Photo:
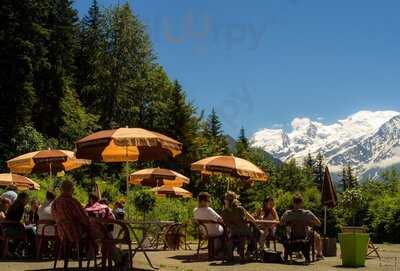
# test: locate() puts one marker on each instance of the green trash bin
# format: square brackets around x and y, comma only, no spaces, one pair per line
[353,247]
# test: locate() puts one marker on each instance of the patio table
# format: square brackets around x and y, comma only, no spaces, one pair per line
[144,226]
[267,222]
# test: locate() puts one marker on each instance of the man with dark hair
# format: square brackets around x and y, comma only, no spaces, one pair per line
[299,220]
[205,212]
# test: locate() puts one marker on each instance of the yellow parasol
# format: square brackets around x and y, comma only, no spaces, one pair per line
[51,161]
[229,165]
[17,181]
[157,177]
[175,192]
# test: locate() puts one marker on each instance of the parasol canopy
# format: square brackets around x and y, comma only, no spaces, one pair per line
[51,161]
[157,177]
[176,192]
[230,165]
[328,193]
[17,181]
[127,144]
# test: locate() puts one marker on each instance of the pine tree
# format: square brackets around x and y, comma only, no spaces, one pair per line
[23,37]
[215,141]
[242,144]
[344,179]
[53,80]
[319,171]
[309,161]
[126,72]
[89,56]
[351,178]
[182,124]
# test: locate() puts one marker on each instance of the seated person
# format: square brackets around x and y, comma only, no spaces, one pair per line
[97,209]
[300,220]
[237,219]
[15,214]
[267,212]
[205,212]
[4,205]
[33,216]
[44,213]
[119,211]
[11,195]
[67,208]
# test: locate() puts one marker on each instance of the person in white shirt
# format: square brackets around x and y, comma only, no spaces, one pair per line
[205,212]
[44,213]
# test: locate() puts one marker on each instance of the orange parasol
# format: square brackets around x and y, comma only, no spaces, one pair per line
[230,165]
[51,161]
[176,192]
[158,176]
[127,144]
[17,181]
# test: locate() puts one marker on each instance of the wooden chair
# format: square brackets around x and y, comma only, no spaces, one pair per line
[43,238]
[204,237]
[299,239]
[67,242]
[5,238]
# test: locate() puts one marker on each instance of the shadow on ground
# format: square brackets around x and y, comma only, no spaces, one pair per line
[77,269]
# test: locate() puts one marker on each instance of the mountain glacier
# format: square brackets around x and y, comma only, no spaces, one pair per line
[367,140]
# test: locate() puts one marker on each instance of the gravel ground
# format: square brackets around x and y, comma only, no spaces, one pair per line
[185,261]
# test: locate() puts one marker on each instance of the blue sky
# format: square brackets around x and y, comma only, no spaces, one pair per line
[261,63]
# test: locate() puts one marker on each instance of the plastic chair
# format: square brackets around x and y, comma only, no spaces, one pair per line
[43,238]
[203,237]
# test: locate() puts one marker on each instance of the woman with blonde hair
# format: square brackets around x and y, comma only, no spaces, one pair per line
[240,222]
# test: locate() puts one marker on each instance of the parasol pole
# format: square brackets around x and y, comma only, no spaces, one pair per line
[325,217]
[127,169]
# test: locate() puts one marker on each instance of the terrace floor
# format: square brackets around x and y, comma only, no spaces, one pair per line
[184,261]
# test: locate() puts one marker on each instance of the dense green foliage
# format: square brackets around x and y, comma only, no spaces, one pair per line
[63,77]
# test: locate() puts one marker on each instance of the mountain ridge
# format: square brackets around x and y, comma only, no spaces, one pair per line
[366,140]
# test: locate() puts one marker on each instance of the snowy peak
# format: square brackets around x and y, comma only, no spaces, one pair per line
[363,139]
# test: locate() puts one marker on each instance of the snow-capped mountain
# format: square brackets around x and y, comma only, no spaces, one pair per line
[368,140]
